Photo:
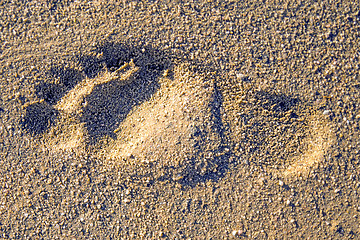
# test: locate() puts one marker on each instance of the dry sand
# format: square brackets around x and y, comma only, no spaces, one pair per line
[179,120]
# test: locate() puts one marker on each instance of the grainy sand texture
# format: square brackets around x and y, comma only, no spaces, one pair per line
[179,119]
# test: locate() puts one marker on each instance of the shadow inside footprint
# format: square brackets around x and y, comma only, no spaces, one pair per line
[109,103]
[66,78]
[50,92]
[275,102]
[39,117]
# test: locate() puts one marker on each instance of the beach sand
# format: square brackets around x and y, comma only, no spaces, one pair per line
[179,120]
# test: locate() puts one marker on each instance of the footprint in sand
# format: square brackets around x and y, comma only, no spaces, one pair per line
[175,131]
[130,117]
[277,133]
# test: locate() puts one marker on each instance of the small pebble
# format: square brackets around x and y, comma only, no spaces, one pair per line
[262,180]
[326,112]
[242,77]
[281,183]
[166,73]
[237,233]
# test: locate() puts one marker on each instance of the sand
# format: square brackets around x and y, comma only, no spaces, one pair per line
[179,120]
